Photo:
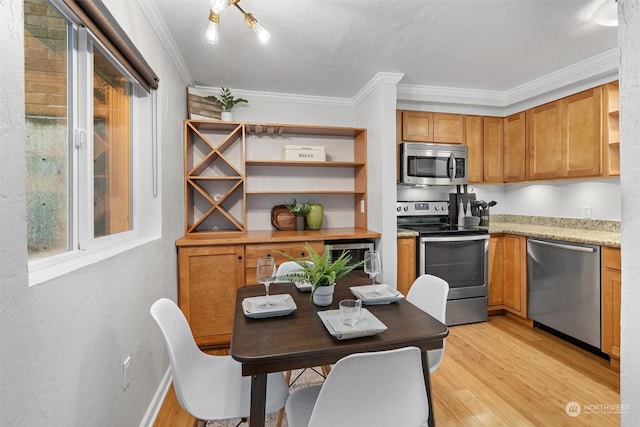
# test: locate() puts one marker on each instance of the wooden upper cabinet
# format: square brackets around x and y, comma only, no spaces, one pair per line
[473,140]
[545,141]
[417,126]
[583,143]
[492,149]
[448,128]
[514,148]
[422,126]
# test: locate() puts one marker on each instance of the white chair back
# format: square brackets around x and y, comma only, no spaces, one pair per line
[429,293]
[286,268]
[378,389]
[208,387]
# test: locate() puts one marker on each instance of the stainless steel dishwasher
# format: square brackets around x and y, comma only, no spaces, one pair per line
[564,288]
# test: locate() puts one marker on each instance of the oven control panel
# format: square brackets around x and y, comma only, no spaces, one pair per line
[422,208]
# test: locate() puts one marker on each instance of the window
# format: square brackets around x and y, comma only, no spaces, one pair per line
[79,109]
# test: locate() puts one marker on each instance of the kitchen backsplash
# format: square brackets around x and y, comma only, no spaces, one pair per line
[577,223]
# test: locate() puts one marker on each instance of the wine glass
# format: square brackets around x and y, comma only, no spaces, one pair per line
[373,267]
[265,274]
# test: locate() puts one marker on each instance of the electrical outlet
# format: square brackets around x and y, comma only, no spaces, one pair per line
[125,372]
[586,212]
[361,206]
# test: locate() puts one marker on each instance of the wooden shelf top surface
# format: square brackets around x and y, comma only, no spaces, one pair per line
[274,236]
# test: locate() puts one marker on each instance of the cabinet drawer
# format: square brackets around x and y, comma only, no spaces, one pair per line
[253,252]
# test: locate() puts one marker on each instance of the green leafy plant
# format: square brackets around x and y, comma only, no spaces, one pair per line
[226,101]
[297,208]
[322,271]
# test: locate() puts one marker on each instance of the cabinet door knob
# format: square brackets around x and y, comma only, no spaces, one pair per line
[240,258]
[303,254]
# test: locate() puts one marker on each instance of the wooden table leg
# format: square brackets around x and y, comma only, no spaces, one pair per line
[258,400]
[427,383]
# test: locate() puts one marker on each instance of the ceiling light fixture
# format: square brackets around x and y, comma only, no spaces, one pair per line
[606,14]
[217,7]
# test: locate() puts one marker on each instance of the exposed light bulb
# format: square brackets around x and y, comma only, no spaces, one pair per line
[606,14]
[219,5]
[263,35]
[211,36]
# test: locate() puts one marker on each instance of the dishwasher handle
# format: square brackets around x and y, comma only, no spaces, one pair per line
[563,246]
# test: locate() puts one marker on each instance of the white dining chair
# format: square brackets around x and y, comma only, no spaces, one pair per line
[377,389]
[288,268]
[208,387]
[429,293]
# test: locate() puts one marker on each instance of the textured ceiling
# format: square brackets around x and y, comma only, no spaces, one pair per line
[334,47]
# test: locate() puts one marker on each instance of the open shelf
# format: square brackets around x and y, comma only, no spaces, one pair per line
[226,162]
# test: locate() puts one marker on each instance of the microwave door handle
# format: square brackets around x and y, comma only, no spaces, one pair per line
[452,169]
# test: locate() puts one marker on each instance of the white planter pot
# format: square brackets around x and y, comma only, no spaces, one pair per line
[323,296]
[226,116]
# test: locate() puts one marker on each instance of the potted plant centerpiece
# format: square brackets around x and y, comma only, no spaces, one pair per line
[226,101]
[322,272]
[299,210]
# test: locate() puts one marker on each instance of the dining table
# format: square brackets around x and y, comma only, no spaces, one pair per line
[301,340]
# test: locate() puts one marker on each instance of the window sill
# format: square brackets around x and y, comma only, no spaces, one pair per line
[74,261]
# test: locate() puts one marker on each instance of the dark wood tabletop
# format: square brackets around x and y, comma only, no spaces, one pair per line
[300,339]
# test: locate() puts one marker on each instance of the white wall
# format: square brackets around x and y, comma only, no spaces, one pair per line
[63,341]
[564,199]
[376,112]
[629,41]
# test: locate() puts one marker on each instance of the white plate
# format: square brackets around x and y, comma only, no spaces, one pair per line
[369,325]
[387,294]
[283,304]
[303,286]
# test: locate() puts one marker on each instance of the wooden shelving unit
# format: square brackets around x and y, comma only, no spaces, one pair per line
[228,163]
[612,128]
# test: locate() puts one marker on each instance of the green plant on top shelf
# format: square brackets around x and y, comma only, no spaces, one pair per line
[226,101]
[297,208]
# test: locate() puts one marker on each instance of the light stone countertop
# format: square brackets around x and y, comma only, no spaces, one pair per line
[588,231]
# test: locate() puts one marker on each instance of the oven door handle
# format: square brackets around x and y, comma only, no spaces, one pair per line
[455,238]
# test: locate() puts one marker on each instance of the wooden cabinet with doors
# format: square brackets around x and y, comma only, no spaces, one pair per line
[610,301]
[514,148]
[208,277]
[544,141]
[508,274]
[423,126]
[492,149]
[565,137]
[473,140]
[583,134]
[406,263]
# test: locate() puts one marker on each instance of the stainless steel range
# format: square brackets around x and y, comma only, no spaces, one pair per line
[456,254]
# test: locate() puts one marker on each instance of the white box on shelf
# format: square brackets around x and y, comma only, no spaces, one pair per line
[305,153]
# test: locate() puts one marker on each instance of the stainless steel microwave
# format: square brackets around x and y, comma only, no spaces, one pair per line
[433,164]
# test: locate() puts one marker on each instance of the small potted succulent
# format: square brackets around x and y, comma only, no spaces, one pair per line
[322,272]
[226,101]
[299,210]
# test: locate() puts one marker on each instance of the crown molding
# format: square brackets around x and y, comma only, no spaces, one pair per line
[285,97]
[157,23]
[582,75]
[374,83]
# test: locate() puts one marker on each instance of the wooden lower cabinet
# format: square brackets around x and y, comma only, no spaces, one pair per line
[611,298]
[406,263]
[508,274]
[208,278]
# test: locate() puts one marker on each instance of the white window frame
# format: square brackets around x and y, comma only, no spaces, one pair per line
[85,249]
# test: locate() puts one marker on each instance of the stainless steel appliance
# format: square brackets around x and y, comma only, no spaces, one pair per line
[356,249]
[563,281]
[433,164]
[456,254]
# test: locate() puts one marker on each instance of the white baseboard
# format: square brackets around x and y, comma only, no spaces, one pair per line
[156,403]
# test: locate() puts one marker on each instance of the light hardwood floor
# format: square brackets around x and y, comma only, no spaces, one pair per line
[504,373]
